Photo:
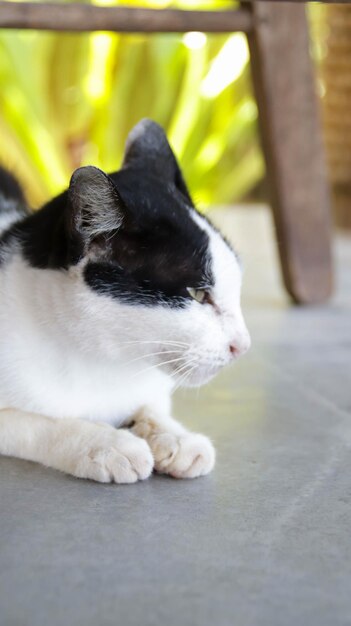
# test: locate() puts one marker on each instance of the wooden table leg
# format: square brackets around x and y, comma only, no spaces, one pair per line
[284,84]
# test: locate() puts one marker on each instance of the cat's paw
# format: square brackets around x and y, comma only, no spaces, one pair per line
[182,456]
[115,456]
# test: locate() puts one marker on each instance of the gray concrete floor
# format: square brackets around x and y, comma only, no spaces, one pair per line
[264,540]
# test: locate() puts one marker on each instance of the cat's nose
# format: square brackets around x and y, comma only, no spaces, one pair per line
[240,345]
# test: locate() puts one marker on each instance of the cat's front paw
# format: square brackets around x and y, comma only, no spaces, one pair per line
[115,456]
[182,456]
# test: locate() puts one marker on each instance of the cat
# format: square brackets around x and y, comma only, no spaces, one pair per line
[112,295]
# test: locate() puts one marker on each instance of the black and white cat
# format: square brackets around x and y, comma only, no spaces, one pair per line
[111,296]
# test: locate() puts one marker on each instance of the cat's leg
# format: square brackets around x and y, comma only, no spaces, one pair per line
[176,451]
[77,447]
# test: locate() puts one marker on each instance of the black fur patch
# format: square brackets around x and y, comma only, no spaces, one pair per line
[157,250]
[43,236]
[10,188]
[12,203]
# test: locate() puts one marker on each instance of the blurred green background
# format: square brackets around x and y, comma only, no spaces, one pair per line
[70,99]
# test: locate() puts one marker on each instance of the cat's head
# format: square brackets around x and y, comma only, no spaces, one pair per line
[159,279]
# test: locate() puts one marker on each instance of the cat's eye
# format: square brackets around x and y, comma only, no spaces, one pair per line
[200,295]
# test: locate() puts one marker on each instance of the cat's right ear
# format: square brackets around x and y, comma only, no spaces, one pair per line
[95,207]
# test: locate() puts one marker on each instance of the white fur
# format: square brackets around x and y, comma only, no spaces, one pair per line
[8,214]
[67,352]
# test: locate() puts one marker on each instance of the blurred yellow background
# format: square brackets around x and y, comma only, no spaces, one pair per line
[70,99]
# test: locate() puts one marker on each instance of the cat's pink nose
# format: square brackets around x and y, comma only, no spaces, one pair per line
[233,349]
[240,346]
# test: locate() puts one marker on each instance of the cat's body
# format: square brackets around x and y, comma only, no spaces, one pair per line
[111,296]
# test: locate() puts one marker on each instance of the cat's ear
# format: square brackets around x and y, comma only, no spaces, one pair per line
[147,148]
[95,205]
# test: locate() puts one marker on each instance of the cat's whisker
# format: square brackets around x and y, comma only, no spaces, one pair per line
[158,365]
[152,341]
[185,376]
[188,363]
[191,370]
[151,354]
[179,370]
[189,366]
[160,342]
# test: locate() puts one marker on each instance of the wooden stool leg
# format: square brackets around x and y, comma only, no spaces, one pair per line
[284,84]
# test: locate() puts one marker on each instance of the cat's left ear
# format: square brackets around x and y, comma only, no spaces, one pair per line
[147,149]
[95,205]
